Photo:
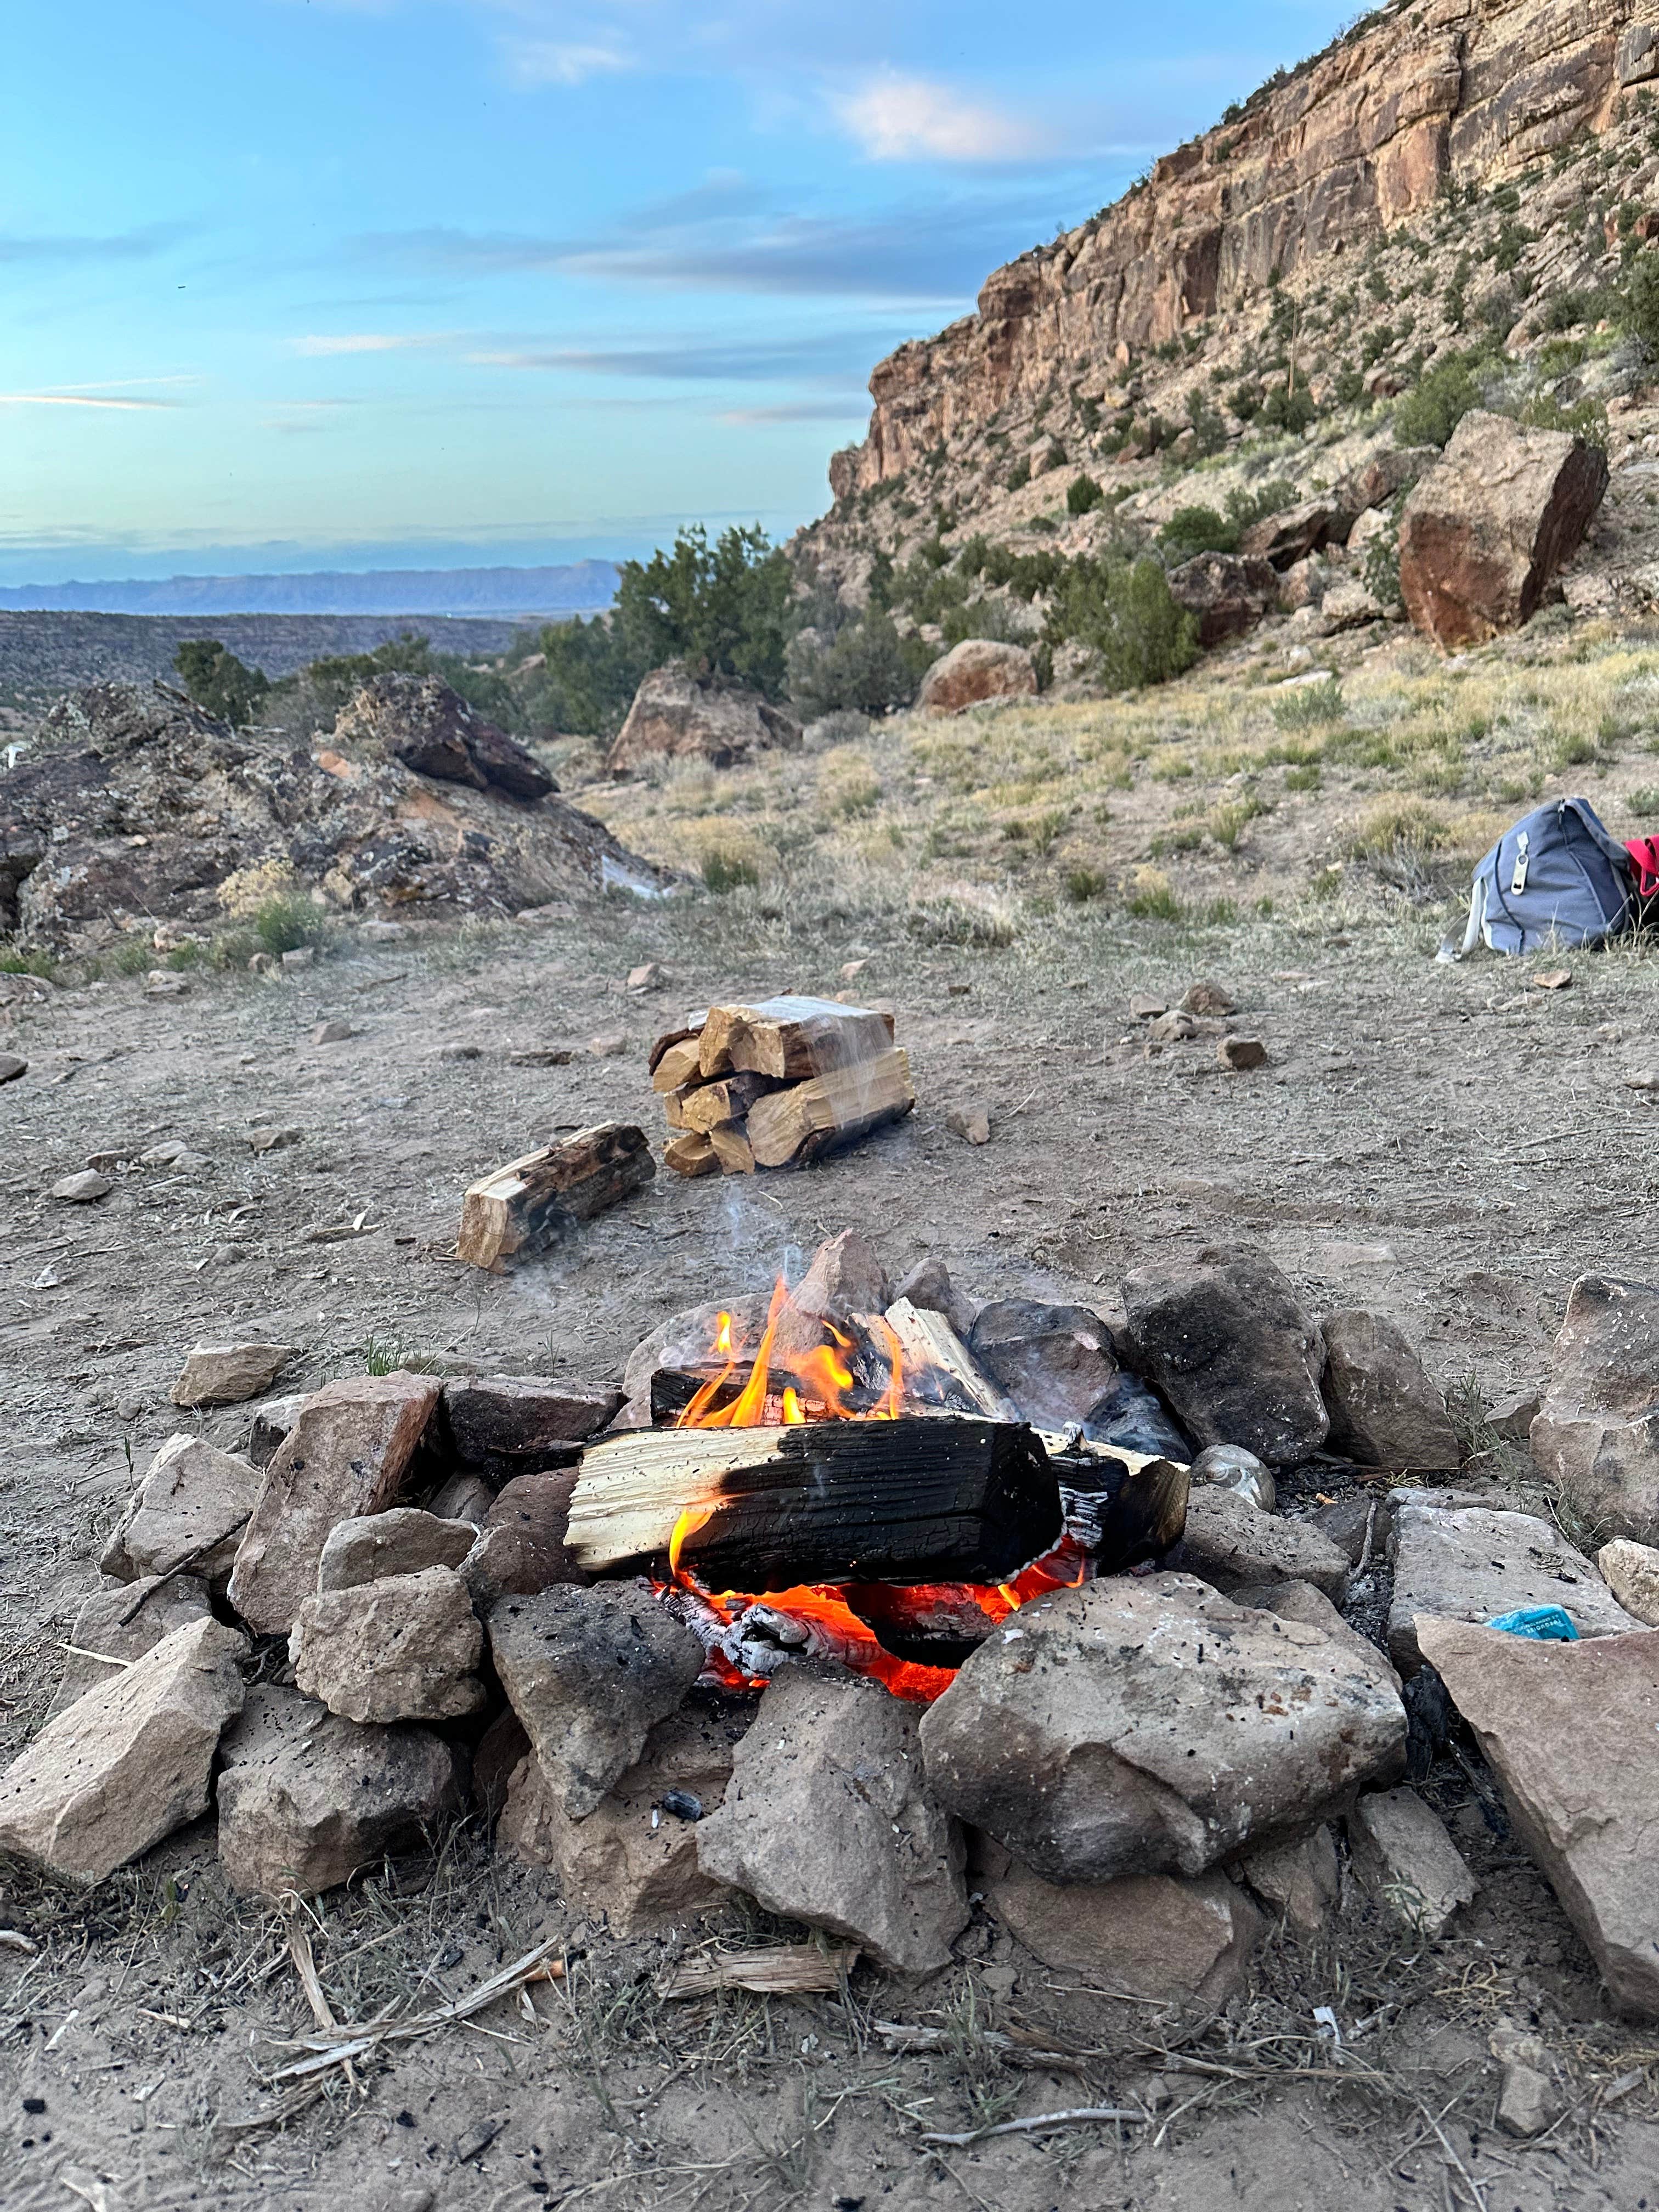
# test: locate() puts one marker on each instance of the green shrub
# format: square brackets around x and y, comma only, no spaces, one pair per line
[1124,613]
[1428,413]
[1084,883]
[219,683]
[726,871]
[1641,308]
[1309,706]
[283,924]
[1349,388]
[866,667]
[1288,411]
[1019,474]
[1083,496]
[1192,529]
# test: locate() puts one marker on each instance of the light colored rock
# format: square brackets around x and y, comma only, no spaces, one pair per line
[828,1819]
[1488,528]
[1145,1725]
[590,1673]
[271,1422]
[1226,1345]
[190,1506]
[1597,1432]
[401,1648]
[402,1541]
[123,1622]
[465,1497]
[84,1188]
[306,1800]
[1384,1410]
[978,669]
[1299,1882]
[1229,1542]
[226,1374]
[1151,1935]
[846,1279]
[972,1121]
[129,1762]
[676,714]
[1474,1562]
[1229,1466]
[527,1525]
[632,1861]
[1404,1856]
[346,1455]
[1302,1601]
[1528,2101]
[1571,1731]
[1631,1572]
[929,1288]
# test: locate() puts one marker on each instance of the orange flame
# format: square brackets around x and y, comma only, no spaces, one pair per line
[814,1379]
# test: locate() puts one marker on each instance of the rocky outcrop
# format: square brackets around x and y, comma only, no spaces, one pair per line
[1228,594]
[677,715]
[420,721]
[1483,533]
[978,669]
[1364,137]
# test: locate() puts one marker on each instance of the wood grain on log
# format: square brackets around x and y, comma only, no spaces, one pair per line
[931,1345]
[677,1065]
[691,1154]
[690,1028]
[815,1115]
[525,1206]
[732,1147]
[728,1098]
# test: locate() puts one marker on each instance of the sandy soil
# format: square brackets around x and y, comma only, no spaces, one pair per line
[1450,1145]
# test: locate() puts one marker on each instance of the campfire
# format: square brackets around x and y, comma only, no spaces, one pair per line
[852,1488]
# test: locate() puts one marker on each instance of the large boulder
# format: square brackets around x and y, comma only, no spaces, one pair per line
[1597,1430]
[1571,1731]
[978,669]
[420,721]
[1150,1726]
[129,1762]
[1384,1410]
[1484,533]
[677,715]
[829,1818]
[1475,1562]
[1291,535]
[1230,593]
[1228,1347]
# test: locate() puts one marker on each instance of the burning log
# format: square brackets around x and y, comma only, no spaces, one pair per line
[757,1509]
[525,1206]
[933,1350]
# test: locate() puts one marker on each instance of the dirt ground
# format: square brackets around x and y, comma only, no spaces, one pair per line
[1448,1144]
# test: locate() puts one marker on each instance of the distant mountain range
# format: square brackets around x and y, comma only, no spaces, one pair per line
[582,588]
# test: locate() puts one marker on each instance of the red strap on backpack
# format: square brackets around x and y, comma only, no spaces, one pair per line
[1645,859]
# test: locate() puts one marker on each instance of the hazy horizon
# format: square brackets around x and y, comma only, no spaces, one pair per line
[438,283]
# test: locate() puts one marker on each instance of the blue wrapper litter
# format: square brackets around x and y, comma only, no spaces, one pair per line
[1545,1624]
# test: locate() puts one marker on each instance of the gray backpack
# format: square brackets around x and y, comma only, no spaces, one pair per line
[1557,878]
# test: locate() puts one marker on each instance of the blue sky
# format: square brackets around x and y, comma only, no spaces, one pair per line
[302,283]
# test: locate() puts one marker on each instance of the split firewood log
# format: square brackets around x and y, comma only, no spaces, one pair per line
[525,1206]
[732,1148]
[931,1347]
[688,1031]
[691,1154]
[677,1066]
[827,1110]
[727,1099]
[792,1038]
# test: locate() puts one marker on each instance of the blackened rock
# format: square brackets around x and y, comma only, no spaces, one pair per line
[1224,1341]
[508,1425]
[1132,1416]
[1057,1362]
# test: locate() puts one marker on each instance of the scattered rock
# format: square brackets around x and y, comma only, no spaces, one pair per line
[273,1140]
[1571,1731]
[1149,1725]
[1229,592]
[1284,538]
[163,983]
[608,1045]
[652,976]
[1487,528]
[227,1374]
[1474,1562]
[590,1671]
[1055,1362]
[1147,1006]
[1299,1882]
[402,1541]
[929,1288]
[631,1859]
[1528,2101]
[302,956]
[507,1424]
[306,1800]
[1597,1434]
[978,669]
[1403,1855]
[400,1648]
[1229,1542]
[346,1455]
[332,1033]
[1227,1345]
[382,932]
[1384,1410]
[972,1123]
[123,1623]
[527,1525]
[1208,998]
[420,721]
[190,1506]
[1552,979]
[1229,1466]
[1241,1054]
[1173,1027]
[676,714]
[83,1189]
[1512,1417]
[828,1819]
[1631,1572]
[129,1762]
[1151,1935]
[846,1279]
[11,1067]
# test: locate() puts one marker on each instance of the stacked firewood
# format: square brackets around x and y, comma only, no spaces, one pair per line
[777,1083]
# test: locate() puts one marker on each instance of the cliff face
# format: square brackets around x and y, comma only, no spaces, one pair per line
[1465,93]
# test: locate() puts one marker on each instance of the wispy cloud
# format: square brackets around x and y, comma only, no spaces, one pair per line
[71,251]
[531,62]
[913,118]
[853,409]
[324,346]
[698,361]
[81,399]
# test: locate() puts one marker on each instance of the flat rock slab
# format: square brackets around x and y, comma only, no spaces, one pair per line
[1597,1430]
[306,1800]
[401,1540]
[1152,1935]
[227,1374]
[1384,1410]
[829,1818]
[346,1455]
[1148,1725]
[1406,1858]
[129,1762]
[122,1623]
[1571,1731]
[1228,1347]
[405,1647]
[590,1673]
[191,1506]
[1229,1542]
[634,1860]
[513,1424]
[1474,1562]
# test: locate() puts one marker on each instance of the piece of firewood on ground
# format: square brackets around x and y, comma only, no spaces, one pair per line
[732,1148]
[829,1110]
[792,1038]
[525,1205]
